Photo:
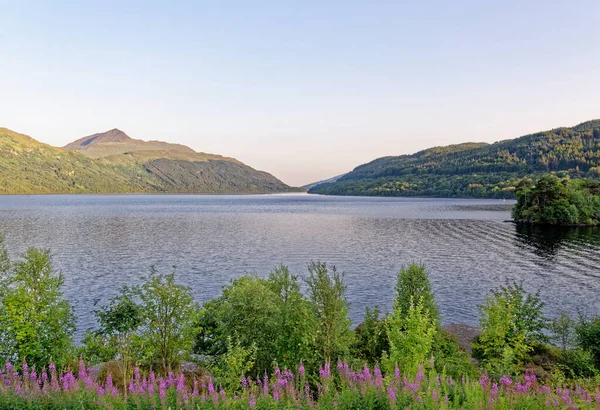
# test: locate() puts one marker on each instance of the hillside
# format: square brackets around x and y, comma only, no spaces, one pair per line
[476,169]
[314,184]
[116,141]
[112,162]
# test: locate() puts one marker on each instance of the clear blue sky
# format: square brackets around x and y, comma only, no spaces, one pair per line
[302,89]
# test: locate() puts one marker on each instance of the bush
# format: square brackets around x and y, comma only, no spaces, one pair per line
[371,339]
[413,285]
[576,363]
[587,336]
[327,292]
[411,335]
[511,322]
[36,323]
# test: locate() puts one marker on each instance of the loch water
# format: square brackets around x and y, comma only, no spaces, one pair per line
[101,242]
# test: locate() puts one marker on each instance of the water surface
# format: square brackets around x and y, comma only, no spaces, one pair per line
[103,242]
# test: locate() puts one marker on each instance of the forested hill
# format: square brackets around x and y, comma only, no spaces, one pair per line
[112,162]
[476,169]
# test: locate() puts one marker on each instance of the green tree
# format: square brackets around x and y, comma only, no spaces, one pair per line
[512,322]
[563,331]
[170,316]
[587,336]
[248,313]
[120,319]
[327,292]
[413,285]
[411,335]
[371,338]
[36,323]
[296,322]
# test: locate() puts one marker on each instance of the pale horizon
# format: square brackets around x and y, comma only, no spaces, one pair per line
[304,92]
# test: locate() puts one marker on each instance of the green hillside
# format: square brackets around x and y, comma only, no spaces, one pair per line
[30,167]
[476,169]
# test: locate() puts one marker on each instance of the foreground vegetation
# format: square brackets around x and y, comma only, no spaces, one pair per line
[264,343]
[477,170]
[557,201]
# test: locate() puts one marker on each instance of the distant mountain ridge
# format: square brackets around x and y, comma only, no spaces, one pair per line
[116,141]
[113,162]
[476,169]
[324,181]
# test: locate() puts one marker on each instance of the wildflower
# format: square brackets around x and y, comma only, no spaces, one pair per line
[397,372]
[521,388]
[244,383]
[367,373]
[506,381]
[484,381]
[252,401]
[211,387]
[131,387]
[136,373]
[494,389]
[180,383]
[162,389]
[301,370]
[420,375]
[391,394]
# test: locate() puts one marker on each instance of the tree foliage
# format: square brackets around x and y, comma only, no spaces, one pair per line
[556,201]
[476,169]
[327,292]
[512,322]
[169,314]
[36,323]
[411,334]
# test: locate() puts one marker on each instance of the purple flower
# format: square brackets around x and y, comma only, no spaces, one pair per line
[484,381]
[367,373]
[391,394]
[252,401]
[397,372]
[180,383]
[301,369]
[505,381]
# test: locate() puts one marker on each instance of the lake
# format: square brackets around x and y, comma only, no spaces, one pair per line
[100,243]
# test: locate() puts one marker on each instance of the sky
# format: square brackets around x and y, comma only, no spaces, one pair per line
[304,90]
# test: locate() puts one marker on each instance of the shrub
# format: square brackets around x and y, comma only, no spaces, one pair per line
[169,315]
[411,335]
[327,293]
[371,339]
[412,285]
[36,323]
[511,322]
[587,337]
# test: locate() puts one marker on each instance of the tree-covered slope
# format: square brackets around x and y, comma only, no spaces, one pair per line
[30,167]
[476,169]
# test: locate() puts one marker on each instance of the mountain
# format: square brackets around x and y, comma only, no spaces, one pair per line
[116,141]
[314,184]
[112,162]
[476,169]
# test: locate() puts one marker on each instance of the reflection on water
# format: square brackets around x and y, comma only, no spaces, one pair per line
[103,242]
[547,241]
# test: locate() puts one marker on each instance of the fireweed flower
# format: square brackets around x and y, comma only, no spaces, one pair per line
[252,402]
[180,383]
[484,381]
[397,372]
[301,369]
[391,394]
[505,381]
